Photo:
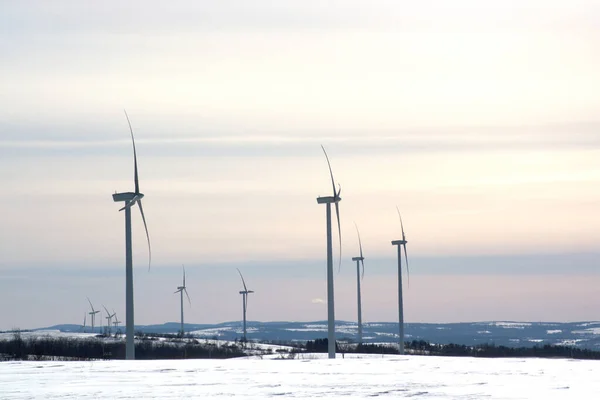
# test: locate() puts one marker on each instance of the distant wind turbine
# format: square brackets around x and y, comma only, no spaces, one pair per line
[335,199]
[359,276]
[108,317]
[400,244]
[130,199]
[244,294]
[180,290]
[84,321]
[93,314]
[116,322]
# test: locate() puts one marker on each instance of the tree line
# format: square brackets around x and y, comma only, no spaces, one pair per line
[146,348]
[150,346]
[422,347]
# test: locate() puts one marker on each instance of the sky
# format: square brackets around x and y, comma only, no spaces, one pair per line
[478,120]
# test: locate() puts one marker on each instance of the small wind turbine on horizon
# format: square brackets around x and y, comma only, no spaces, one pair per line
[180,290]
[359,260]
[84,321]
[131,199]
[93,314]
[116,322]
[401,243]
[328,200]
[244,294]
[108,317]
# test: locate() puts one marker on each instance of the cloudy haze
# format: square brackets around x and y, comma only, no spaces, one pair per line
[478,119]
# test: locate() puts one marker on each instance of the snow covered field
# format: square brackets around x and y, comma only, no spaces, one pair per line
[310,377]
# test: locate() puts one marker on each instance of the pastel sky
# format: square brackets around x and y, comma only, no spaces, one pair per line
[479,120]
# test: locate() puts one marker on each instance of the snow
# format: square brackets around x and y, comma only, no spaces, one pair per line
[553,331]
[46,333]
[308,377]
[588,331]
[513,325]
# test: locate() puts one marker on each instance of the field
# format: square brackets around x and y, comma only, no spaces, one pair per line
[311,376]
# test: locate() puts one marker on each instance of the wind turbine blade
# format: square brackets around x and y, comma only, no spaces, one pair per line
[107,313]
[183,275]
[361,252]
[407,271]
[401,224]
[135,169]
[330,171]
[147,235]
[337,214]
[88,299]
[363,269]
[359,242]
[188,296]
[243,282]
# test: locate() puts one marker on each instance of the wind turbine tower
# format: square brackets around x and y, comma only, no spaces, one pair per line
[244,294]
[180,290]
[401,243]
[130,199]
[328,200]
[93,314]
[359,276]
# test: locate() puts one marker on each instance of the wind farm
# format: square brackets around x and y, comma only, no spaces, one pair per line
[475,122]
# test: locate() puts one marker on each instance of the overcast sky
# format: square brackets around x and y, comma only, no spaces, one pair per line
[479,120]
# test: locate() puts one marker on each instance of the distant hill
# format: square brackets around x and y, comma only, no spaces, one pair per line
[506,333]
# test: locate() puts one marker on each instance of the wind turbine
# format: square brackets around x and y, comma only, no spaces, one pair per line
[359,276]
[116,322]
[335,199]
[130,199]
[93,314]
[244,294]
[180,290]
[84,320]
[108,317]
[401,243]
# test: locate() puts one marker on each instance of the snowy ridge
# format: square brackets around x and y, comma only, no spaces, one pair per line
[508,333]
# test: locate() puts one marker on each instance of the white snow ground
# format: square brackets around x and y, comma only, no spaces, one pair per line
[310,377]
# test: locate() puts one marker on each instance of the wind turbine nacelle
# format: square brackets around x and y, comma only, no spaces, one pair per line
[126,197]
[357,258]
[398,242]
[327,199]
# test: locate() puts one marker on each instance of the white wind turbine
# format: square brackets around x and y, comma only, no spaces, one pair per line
[93,314]
[84,321]
[328,200]
[130,199]
[244,294]
[108,317]
[116,322]
[359,276]
[401,243]
[180,290]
